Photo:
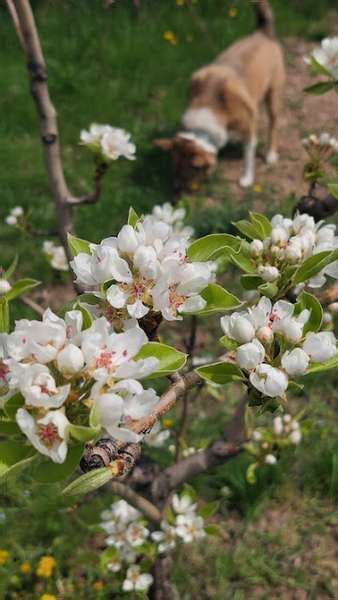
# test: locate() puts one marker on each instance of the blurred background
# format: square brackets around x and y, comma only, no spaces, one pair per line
[128,64]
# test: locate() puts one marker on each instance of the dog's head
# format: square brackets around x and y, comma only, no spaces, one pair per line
[193,161]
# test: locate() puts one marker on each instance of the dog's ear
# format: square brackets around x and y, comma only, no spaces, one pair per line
[164,143]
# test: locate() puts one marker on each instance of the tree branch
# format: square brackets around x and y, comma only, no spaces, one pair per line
[146,507]
[24,23]
[219,452]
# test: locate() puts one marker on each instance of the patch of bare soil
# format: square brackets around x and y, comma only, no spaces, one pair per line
[303,114]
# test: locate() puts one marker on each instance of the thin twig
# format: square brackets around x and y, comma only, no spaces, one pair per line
[146,507]
[33,305]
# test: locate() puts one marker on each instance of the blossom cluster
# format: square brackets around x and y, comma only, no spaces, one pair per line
[68,375]
[56,255]
[272,345]
[327,56]
[15,215]
[323,142]
[109,142]
[290,243]
[145,268]
[265,443]
[128,533]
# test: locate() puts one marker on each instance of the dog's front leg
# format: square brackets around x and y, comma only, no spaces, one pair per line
[248,176]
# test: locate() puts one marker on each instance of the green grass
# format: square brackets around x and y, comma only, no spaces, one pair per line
[114,66]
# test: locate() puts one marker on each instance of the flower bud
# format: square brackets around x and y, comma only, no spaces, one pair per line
[293,253]
[287,418]
[295,362]
[270,459]
[278,425]
[238,327]
[127,240]
[70,360]
[265,335]
[256,248]
[333,308]
[250,355]
[5,286]
[327,318]
[17,211]
[279,236]
[295,436]
[268,273]
[11,220]
[320,346]
[256,436]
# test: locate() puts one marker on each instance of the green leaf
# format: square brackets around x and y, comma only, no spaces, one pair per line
[253,231]
[133,217]
[8,427]
[263,222]
[16,469]
[209,509]
[213,245]
[317,68]
[77,245]
[170,359]
[108,555]
[268,289]
[50,472]
[189,490]
[12,405]
[83,434]
[218,300]
[20,287]
[88,482]
[314,265]
[4,315]
[244,262]
[251,473]
[333,188]
[325,366]
[12,452]
[212,529]
[220,372]
[86,316]
[320,88]
[310,302]
[228,343]
[9,272]
[251,282]
[249,421]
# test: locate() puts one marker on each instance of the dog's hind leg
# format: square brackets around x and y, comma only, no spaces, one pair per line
[248,176]
[273,103]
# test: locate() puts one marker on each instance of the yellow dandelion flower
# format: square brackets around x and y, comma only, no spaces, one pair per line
[46,566]
[232,12]
[170,37]
[98,586]
[47,597]
[25,568]
[180,2]
[195,186]
[4,556]
[167,423]
[257,188]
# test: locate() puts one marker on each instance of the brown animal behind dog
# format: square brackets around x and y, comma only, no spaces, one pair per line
[224,101]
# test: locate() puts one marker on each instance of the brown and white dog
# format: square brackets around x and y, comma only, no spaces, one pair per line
[224,101]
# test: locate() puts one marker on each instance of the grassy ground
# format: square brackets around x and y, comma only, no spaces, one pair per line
[114,66]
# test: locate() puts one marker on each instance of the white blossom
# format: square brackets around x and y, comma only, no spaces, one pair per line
[136,534]
[56,255]
[137,581]
[321,346]
[5,286]
[166,538]
[270,459]
[295,362]
[250,355]
[183,505]
[327,55]
[47,434]
[238,327]
[269,381]
[112,142]
[190,527]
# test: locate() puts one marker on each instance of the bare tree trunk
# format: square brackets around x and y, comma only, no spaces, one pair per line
[162,588]
[47,119]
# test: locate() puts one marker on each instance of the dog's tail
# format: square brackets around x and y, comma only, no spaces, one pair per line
[264,17]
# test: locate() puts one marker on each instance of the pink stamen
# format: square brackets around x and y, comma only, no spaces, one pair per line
[48,434]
